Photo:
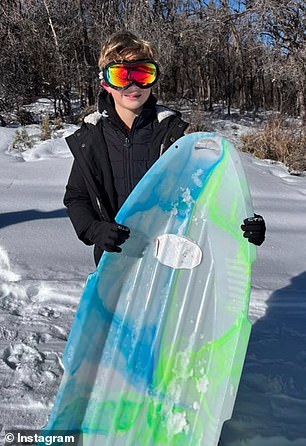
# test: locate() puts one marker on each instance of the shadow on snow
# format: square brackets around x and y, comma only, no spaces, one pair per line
[12,218]
[271,400]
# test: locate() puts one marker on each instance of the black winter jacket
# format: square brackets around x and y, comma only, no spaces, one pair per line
[95,190]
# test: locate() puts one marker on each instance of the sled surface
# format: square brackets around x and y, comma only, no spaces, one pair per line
[156,351]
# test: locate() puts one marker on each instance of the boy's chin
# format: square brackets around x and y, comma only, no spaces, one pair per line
[134,104]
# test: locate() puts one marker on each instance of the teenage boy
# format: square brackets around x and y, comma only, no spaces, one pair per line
[117,145]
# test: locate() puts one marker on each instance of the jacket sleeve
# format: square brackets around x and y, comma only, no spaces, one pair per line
[80,210]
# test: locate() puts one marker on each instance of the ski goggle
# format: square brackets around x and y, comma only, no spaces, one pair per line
[120,76]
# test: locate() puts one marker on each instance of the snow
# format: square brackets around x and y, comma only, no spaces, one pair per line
[43,268]
[42,272]
[177,422]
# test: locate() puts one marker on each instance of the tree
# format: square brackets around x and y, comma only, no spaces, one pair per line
[247,54]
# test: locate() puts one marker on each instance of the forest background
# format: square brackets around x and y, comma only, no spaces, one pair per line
[248,56]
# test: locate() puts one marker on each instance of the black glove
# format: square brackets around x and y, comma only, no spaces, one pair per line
[254,229]
[109,236]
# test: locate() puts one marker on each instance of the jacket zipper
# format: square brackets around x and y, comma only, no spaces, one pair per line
[128,145]
[128,150]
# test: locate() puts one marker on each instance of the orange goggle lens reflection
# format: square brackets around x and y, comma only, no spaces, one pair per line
[122,75]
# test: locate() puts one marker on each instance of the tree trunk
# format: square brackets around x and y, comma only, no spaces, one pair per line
[301,98]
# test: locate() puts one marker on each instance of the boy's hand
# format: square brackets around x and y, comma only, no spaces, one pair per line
[109,236]
[254,229]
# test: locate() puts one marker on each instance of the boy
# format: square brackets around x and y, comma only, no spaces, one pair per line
[117,144]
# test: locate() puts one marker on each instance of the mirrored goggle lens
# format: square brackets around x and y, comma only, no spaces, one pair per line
[120,75]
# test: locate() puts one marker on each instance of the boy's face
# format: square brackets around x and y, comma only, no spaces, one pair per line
[132,99]
[130,83]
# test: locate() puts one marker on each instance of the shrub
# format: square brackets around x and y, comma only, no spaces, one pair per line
[49,127]
[57,123]
[22,141]
[279,141]
[46,129]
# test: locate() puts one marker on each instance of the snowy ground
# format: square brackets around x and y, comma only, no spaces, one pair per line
[43,268]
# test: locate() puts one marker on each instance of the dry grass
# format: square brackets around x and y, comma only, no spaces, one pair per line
[279,141]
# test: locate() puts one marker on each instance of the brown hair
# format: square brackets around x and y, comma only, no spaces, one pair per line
[124,45]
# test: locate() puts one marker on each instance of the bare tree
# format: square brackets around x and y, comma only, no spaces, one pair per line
[246,54]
